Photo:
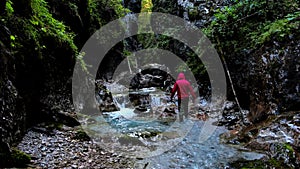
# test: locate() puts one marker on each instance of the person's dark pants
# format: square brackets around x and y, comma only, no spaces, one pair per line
[183,108]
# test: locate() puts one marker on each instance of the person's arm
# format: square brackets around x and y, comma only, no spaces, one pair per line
[175,88]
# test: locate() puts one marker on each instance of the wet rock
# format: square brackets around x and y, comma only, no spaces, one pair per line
[66,118]
[152,75]
[140,108]
[147,80]
[282,155]
[105,99]
[133,5]
[139,98]
[201,12]
[82,136]
[232,117]
[284,130]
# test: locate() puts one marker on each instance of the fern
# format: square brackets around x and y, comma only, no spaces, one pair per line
[43,21]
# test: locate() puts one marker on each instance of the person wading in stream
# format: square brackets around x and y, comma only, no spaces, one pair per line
[184,90]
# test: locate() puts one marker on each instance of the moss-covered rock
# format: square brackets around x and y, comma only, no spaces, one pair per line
[80,134]
[13,157]
[20,159]
[127,140]
[259,164]
[281,156]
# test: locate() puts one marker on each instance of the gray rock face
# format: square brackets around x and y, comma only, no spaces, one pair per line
[274,76]
[12,118]
[105,98]
[12,112]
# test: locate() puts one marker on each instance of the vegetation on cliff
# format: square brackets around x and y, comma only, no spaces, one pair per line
[40,40]
[258,40]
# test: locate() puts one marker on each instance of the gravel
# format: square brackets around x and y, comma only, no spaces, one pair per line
[60,149]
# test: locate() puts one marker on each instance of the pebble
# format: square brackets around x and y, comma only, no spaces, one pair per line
[62,151]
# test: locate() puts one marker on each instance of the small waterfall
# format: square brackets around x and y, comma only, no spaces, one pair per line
[155,100]
[185,3]
[119,100]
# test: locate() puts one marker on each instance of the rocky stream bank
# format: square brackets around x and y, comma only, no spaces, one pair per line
[273,145]
[66,147]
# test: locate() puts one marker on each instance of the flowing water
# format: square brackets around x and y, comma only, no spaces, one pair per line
[190,153]
[155,142]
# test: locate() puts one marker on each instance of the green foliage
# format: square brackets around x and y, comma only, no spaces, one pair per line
[82,63]
[181,68]
[12,40]
[147,6]
[93,8]
[147,40]
[127,53]
[97,8]
[280,29]
[8,7]
[42,22]
[250,24]
[118,7]
[37,30]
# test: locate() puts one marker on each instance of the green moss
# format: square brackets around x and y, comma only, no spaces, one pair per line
[54,125]
[13,157]
[274,162]
[288,147]
[81,135]
[193,13]
[19,158]
[258,164]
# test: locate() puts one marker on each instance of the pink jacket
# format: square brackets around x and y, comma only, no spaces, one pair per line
[182,87]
